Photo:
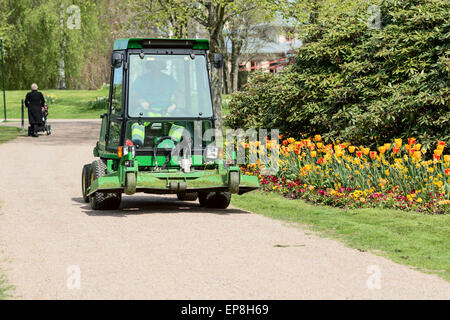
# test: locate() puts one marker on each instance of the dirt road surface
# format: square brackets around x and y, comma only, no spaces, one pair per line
[156,247]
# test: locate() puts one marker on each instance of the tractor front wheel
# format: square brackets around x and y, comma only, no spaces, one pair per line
[86,181]
[102,200]
[216,200]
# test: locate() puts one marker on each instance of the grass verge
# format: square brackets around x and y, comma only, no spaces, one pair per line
[9,133]
[409,238]
[5,289]
[68,104]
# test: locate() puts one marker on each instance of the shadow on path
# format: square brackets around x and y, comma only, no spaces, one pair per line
[138,205]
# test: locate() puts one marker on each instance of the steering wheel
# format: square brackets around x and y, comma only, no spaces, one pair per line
[155,148]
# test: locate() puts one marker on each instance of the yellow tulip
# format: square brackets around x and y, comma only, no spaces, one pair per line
[382,149]
[447,158]
[398,143]
[387,146]
[418,146]
[313,154]
[351,149]
[366,151]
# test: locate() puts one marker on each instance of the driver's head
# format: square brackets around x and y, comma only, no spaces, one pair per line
[154,65]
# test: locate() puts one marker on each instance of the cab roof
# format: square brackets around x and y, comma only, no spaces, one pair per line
[141,43]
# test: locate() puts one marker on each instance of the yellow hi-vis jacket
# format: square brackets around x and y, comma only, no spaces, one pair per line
[138,130]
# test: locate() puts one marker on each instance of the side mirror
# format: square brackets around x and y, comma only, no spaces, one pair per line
[218,60]
[116,60]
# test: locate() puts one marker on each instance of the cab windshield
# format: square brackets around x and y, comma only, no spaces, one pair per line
[174,86]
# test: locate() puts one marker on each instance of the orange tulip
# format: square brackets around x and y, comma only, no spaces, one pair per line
[382,149]
[447,171]
[411,141]
[396,150]
[417,155]
[317,137]
[373,154]
[359,154]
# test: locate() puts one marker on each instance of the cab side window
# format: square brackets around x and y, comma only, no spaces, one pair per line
[116,102]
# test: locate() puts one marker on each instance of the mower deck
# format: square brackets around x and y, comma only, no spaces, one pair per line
[166,182]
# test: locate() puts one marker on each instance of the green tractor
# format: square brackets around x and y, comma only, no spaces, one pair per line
[156,137]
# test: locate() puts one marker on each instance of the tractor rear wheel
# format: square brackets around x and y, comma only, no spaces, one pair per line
[189,196]
[102,200]
[216,200]
[86,181]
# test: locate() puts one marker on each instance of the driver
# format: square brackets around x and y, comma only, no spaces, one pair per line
[153,93]
[156,93]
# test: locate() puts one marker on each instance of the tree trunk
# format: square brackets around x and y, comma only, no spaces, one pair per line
[62,68]
[235,55]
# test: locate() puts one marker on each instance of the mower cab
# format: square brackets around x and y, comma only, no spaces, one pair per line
[157,135]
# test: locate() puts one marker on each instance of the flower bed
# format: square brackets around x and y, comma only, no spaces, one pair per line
[394,176]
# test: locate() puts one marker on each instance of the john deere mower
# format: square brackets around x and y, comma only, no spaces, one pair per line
[156,136]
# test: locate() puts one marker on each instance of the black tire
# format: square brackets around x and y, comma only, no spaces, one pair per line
[103,200]
[85,181]
[216,200]
[48,129]
[202,197]
[189,196]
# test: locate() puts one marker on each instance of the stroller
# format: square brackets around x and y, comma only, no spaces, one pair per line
[43,126]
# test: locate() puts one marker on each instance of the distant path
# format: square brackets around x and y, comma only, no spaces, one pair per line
[156,247]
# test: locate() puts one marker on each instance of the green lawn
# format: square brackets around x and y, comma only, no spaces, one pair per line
[414,239]
[69,104]
[9,133]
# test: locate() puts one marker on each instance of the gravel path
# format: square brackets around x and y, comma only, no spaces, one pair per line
[155,247]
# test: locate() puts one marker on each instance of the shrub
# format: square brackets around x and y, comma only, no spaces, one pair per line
[351,82]
[99,103]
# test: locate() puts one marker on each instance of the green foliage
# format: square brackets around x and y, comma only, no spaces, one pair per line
[352,82]
[36,42]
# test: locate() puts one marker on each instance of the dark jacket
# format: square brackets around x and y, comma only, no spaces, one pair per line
[34,102]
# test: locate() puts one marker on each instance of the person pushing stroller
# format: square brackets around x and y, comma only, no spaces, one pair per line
[35,103]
